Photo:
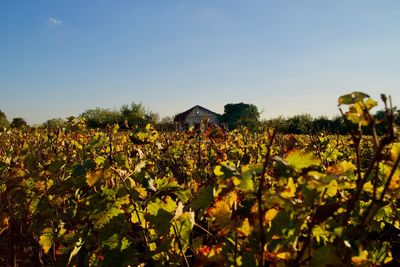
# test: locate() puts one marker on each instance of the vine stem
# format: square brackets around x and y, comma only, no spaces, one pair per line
[180,246]
[131,200]
[259,198]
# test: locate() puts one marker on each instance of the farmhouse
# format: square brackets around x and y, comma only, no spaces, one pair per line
[196,116]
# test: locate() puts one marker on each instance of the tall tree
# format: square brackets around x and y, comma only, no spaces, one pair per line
[137,116]
[241,114]
[18,123]
[300,124]
[100,117]
[54,123]
[4,123]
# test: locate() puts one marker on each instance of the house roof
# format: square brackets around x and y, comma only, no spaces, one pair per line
[183,115]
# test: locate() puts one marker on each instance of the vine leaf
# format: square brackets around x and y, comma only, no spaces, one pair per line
[46,239]
[204,198]
[299,160]
[395,151]
[352,98]
[93,177]
[290,189]
[221,212]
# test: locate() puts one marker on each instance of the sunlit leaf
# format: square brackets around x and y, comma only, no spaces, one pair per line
[352,98]
[361,259]
[299,160]
[245,229]
[370,103]
[289,190]
[46,239]
[332,188]
[183,226]
[93,177]
[395,151]
[221,212]
[270,215]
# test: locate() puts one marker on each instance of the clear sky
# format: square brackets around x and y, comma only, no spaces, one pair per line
[61,57]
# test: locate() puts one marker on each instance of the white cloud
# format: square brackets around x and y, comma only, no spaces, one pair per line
[54,21]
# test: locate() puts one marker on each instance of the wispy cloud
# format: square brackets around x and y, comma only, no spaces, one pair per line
[54,22]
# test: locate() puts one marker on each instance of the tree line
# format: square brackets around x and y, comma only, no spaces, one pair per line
[235,115]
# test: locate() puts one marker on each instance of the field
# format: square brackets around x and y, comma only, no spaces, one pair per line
[77,196]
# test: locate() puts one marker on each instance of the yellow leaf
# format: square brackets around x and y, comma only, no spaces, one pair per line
[342,167]
[368,187]
[395,151]
[332,188]
[360,259]
[270,215]
[289,190]
[46,239]
[217,171]
[370,103]
[222,212]
[283,255]
[93,177]
[245,229]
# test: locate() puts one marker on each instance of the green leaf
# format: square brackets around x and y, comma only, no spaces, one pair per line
[56,165]
[204,198]
[161,221]
[184,225]
[225,171]
[325,256]
[352,98]
[105,216]
[112,242]
[299,160]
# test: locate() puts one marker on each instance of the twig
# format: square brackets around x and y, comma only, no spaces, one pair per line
[259,198]
[180,246]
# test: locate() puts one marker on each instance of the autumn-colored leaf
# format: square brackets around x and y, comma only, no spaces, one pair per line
[46,239]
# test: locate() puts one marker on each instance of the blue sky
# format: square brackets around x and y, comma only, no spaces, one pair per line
[61,57]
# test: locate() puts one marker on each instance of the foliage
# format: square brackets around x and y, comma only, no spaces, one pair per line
[4,123]
[137,116]
[18,123]
[241,114]
[54,123]
[100,118]
[79,196]
[129,116]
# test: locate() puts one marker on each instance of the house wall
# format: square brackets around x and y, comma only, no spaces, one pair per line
[196,117]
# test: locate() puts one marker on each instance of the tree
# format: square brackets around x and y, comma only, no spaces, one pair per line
[241,114]
[279,123]
[300,124]
[18,123]
[54,123]
[322,123]
[4,123]
[101,117]
[137,116]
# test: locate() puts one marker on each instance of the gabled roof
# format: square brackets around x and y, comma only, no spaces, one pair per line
[183,115]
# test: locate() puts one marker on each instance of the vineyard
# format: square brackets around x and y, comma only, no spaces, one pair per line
[76,196]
